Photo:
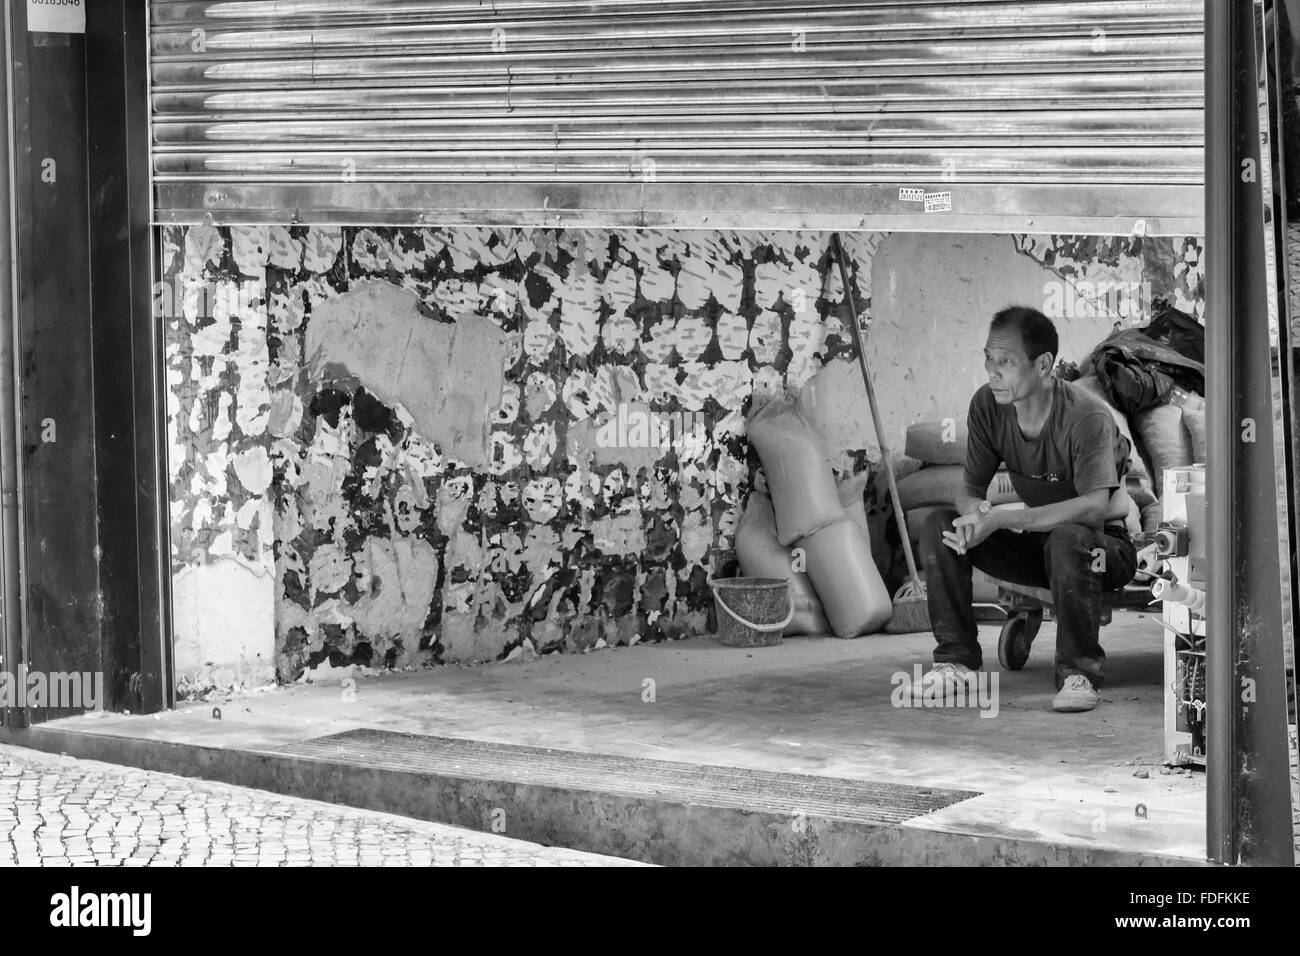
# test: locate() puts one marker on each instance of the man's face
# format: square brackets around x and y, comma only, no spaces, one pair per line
[1011,374]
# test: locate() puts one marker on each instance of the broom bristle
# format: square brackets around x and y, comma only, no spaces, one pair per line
[910,590]
[911,611]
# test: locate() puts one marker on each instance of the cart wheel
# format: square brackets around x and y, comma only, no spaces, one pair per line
[1017,637]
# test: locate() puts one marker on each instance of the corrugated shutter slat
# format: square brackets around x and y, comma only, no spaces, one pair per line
[1035,115]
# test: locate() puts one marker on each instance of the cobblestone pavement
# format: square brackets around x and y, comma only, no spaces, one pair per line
[59,811]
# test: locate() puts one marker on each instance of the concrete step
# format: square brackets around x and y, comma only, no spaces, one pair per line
[654,811]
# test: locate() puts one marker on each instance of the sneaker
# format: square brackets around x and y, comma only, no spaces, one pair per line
[948,676]
[1076,696]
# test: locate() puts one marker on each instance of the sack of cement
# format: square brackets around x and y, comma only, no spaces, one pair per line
[1164,439]
[799,476]
[1136,466]
[939,485]
[937,443]
[1193,407]
[848,584]
[762,556]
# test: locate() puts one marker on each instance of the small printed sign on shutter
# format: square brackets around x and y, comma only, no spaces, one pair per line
[56,16]
[938,202]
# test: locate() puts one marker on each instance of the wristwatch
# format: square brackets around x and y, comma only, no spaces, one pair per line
[985,507]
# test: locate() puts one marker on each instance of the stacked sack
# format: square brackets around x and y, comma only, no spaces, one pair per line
[811,537]
[1155,377]
[1140,484]
[763,556]
[940,447]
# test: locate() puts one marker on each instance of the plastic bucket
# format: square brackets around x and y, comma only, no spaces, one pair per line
[752,612]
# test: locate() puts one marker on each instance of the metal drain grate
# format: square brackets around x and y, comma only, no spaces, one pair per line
[729,787]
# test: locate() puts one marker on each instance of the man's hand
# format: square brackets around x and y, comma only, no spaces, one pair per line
[970,530]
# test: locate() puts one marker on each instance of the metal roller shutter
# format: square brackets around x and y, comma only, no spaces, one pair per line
[1035,116]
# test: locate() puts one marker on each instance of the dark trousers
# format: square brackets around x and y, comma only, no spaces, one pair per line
[1065,559]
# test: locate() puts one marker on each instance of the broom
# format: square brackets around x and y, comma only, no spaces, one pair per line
[911,612]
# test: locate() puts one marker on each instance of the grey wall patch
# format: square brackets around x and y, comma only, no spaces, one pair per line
[448,376]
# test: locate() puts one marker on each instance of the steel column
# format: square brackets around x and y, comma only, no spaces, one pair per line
[11,519]
[1248,800]
[127,353]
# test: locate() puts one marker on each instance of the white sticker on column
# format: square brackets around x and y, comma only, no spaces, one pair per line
[910,194]
[56,16]
[938,202]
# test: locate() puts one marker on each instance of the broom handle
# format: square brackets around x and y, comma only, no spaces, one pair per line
[838,250]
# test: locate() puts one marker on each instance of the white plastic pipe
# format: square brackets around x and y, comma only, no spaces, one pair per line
[1189,597]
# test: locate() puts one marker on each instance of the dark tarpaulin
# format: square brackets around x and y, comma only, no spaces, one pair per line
[1139,368]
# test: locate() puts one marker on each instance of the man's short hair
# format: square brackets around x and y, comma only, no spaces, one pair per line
[1037,331]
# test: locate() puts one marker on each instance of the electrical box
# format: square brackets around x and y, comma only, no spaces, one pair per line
[1183,504]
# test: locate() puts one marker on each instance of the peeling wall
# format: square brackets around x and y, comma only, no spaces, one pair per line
[464,445]
[220,613]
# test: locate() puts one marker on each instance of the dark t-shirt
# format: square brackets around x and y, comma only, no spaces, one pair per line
[1079,449]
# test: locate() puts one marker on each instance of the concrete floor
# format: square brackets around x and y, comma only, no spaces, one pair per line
[810,705]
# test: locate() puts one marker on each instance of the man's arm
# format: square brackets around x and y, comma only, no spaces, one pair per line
[971,529]
[1088,509]
[1092,448]
[1091,445]
[982,459]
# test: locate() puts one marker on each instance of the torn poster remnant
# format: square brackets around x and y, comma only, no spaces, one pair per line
[447,375]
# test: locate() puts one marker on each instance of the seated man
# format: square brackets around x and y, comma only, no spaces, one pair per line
[1066,460]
